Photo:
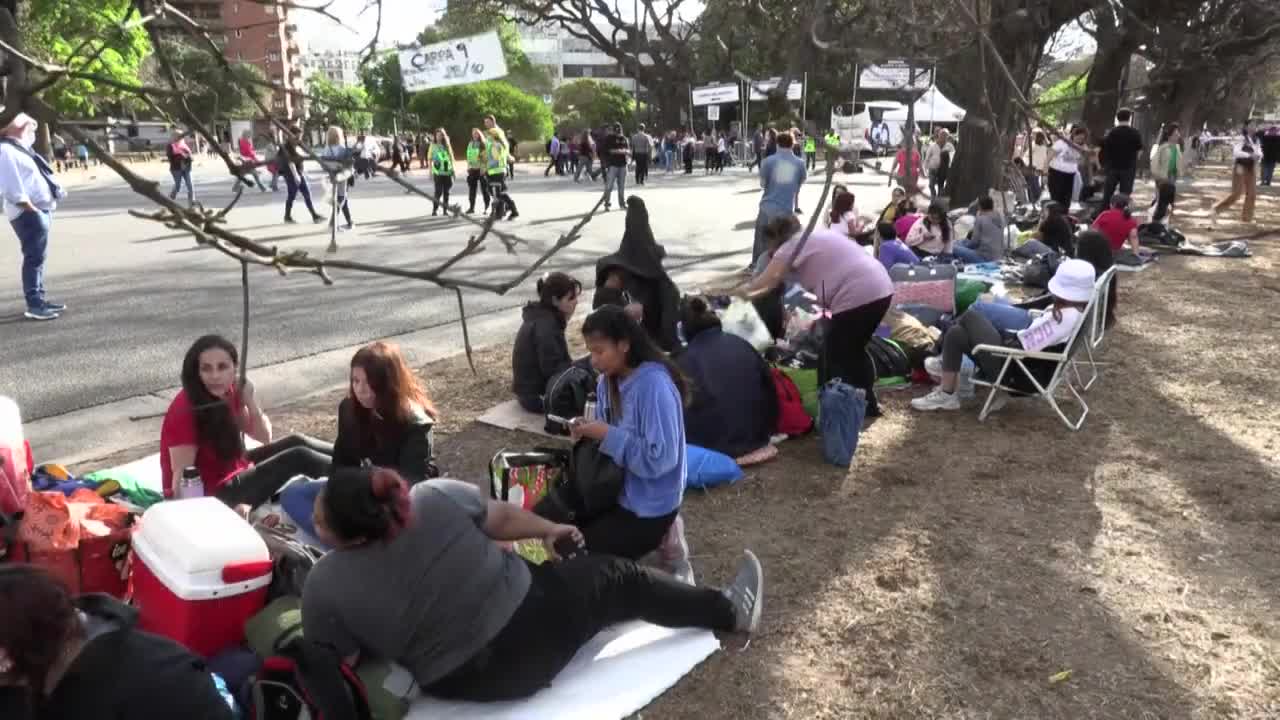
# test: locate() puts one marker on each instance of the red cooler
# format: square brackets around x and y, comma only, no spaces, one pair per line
[199,572]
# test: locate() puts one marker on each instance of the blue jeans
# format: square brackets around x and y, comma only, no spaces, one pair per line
[615,176]
[32,229]
[1268,172]
[670,156]
[1005,318]
[758,248]
[969,256]
[294,187]
[180,177]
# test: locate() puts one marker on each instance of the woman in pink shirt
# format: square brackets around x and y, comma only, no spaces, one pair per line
[848,281]
[249,158]
[932,234]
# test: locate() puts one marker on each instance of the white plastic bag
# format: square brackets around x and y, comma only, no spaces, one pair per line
[741,319]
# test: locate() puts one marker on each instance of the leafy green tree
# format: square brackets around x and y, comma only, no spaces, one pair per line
[592,103]
[1063,101]
[331,104]
[460,108]
[384,89]
[208,91]
[52,30]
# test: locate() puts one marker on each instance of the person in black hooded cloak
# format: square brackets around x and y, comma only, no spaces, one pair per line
[634,276]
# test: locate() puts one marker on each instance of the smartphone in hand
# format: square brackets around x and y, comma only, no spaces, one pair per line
[566,548]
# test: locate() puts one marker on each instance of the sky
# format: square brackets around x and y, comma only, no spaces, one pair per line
[402,20]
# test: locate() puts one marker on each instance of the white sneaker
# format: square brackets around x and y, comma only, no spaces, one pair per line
[933,365]
[937,400]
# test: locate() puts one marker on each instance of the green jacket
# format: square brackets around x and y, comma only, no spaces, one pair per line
[810,144]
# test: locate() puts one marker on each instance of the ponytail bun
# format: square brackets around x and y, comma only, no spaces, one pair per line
[368,505]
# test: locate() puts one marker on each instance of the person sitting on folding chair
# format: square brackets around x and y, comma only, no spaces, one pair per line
[1071,288]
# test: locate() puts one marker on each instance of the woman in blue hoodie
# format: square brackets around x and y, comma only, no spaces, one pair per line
[639,423]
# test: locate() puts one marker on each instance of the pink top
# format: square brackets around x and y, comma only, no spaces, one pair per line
[902,226]
[839,272]
[246,148]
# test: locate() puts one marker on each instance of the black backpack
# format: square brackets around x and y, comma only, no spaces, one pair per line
[888,358]
[306,680]
[566,396]
[290,562]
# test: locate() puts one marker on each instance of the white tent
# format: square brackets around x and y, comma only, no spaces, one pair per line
[933,106]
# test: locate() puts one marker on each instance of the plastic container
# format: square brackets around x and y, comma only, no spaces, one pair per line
[200,571]
[15,459]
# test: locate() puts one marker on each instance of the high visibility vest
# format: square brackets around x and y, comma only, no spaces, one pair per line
[810,144]
[441,161]
[833,140]
[474,148]
[496,152]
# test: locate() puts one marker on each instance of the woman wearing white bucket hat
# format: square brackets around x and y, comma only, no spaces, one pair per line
[1071,287]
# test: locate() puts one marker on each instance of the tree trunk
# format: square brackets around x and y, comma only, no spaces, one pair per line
[1102,89]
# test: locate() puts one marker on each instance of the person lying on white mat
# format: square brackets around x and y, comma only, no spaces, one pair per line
[416,577]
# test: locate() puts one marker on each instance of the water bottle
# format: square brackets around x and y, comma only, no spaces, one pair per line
[190,486]
[589,410]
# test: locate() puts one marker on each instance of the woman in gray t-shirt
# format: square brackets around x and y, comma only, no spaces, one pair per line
[416,578]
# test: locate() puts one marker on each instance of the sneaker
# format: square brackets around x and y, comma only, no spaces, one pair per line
[746,593]
[291,221]
[54,307]
[933,365]
[513,216]
[471,211]
[40,313]
[937,400]
[317,219]
[349,226]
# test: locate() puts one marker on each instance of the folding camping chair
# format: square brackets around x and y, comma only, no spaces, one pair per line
[1066,370]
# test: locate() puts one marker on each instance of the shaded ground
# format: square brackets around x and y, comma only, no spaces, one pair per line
[958,566]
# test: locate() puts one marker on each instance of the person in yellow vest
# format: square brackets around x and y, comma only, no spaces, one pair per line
[440,155]
[810,151]
[476,175]
[496,159]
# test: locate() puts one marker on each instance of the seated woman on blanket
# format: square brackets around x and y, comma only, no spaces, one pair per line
[65,658]
[1071,287]
[734,407]
[205,424]
[385,420]
[540,351]
[639,423]
[415,577]
[1055,229]
[633,277]
[933,234]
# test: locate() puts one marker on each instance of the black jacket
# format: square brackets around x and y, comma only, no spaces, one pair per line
[1120,148]
[640,256]
[405,447]
[734,407]
[540,351]
[124,674]
[1270,143]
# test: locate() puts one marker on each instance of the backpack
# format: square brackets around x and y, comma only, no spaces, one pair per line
[843,410]
[1160,234]
[290,562]
[1040,270]
[567,396]
[792,418]
[888,358]
[306,681]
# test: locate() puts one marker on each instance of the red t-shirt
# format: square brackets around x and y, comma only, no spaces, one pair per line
[1115,226]
[178,429]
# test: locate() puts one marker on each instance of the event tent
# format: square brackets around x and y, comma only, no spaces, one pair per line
[933,106]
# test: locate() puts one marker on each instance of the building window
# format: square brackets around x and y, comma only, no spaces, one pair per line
[272,34]
[235,7]
[273,56]
[239,34]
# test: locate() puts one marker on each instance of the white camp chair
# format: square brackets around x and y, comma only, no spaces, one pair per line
[1065,372]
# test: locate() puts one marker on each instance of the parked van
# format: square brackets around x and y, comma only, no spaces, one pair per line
[853,122]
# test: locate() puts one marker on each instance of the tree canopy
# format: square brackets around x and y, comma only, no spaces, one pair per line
[208,91]
[332,104]
[52,30]
[592,103]
[460,108]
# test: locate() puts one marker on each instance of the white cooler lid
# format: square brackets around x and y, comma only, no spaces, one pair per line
[198,536]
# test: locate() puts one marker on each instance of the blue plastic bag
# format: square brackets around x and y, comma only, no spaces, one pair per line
[843,409]
[708,468]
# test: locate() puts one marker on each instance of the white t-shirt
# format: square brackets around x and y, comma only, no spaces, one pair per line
[1047,332]
[1066,158]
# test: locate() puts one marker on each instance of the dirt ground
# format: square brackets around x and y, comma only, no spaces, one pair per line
[1011,569]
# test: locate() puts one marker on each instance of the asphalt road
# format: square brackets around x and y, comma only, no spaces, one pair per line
[139,293]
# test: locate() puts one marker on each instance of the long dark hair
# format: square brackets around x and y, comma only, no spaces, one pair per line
[366,504]
[937,208]
[841,205]
[613,323]
[696,317]
[216,425]
[1167,131]
[554,286]
[39,619]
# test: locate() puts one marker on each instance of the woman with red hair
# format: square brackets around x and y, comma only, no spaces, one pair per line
[386,418]
[415,577]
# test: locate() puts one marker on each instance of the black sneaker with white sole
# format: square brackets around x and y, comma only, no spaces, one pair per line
[746,593]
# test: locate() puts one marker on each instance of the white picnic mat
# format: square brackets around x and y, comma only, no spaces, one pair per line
[616,674]
[510,416]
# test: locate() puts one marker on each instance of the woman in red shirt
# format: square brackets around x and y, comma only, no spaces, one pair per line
[1118,225]
[205,427]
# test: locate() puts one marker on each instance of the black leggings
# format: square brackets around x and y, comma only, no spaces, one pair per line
[624,534]
[971,330]
[502,202]
[444,183]
[1166,194]
[1060,186]
[568,603]
[477,179]
[845,348]
[275,464]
